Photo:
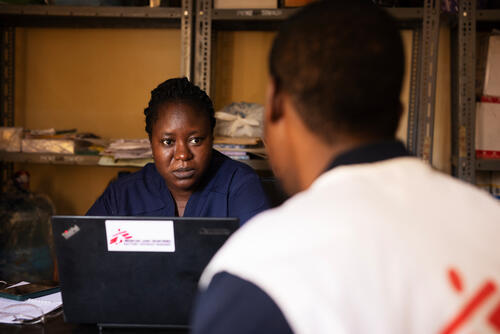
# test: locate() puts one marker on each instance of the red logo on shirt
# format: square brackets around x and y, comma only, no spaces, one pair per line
[119,237]
[483,293]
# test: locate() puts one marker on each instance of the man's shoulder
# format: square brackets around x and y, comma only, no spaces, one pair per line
[247,303]
[352,206]
[250,245]
[407,175]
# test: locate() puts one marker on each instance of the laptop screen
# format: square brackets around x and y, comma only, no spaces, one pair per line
[134,270]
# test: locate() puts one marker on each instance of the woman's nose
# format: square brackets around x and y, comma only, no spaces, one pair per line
[182,151]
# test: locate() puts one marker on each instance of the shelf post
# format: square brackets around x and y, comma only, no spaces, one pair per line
[464,114]
[427,80]
[187,38]
[203,47]
[7,77]
[7,48]
[411,136]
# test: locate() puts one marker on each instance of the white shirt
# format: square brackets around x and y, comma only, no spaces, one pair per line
[386,247]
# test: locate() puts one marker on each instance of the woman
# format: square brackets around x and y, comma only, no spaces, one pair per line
[188,178]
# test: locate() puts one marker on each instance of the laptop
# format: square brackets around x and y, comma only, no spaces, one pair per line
[134,271]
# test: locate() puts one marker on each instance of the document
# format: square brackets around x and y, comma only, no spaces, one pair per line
[10,310]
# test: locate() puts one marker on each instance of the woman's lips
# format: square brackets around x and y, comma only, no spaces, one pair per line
[184,173]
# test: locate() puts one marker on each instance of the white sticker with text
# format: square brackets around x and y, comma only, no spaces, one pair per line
[140,235]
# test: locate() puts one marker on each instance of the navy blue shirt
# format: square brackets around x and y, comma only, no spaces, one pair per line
[231,304]
[228,189]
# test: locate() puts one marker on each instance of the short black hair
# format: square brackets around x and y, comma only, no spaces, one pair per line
[177,90]
[342,63]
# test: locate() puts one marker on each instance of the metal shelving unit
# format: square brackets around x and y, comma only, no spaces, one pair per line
[488,165]
[7,39]
[488,15]
[427,81]
[249,19]
[423,21]
[55,159]
[197,20]
[90,160]
[12,16]
[92,16]
[464,97]
[463,71]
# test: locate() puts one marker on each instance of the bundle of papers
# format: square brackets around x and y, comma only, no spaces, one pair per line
[12,310]
[241,148]
[129,149]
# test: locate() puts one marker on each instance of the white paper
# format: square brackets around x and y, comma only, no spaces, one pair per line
[24,309]
[17,284]
[140,236]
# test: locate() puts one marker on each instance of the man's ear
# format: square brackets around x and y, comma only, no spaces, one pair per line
[274,102]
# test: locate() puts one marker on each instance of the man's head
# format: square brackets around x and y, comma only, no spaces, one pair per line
[340,65]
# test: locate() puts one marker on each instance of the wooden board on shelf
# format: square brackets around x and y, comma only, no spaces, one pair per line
[90,160]
[238,140]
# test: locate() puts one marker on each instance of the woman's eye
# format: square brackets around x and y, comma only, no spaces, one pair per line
[167,142]
[195,140]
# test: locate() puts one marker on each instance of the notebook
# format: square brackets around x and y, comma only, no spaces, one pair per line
[134,271]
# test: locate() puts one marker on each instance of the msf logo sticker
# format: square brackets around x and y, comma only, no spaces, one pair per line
[140,235]
[119,237]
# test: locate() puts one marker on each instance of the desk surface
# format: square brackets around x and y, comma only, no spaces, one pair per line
[57,325]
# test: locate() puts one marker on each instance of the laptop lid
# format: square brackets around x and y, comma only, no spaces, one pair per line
[134,270]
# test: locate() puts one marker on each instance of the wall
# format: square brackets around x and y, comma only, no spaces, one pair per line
[99,80]
[241,58]
[96,80]
[241,66]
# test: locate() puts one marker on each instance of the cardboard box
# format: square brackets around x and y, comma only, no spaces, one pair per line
[482,39]
[243,4]
[62,146]
[488,130]
[491,78]
[10,139]
[296,3]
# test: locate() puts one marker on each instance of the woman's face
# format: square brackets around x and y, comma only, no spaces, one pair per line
[181,141]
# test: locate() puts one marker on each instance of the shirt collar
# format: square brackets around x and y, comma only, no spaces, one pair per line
[373,152]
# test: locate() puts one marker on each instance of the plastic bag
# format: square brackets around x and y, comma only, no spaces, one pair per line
[240,120]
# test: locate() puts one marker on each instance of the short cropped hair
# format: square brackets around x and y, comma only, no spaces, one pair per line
[177,90]
[342,63]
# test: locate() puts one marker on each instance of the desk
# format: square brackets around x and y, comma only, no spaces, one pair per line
[57,325]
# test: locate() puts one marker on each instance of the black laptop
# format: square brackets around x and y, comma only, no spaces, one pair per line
[134,271]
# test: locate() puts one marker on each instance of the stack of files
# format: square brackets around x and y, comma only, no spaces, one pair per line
[62,142]
[129,149]
[241,148]
[127,152]
[28,309]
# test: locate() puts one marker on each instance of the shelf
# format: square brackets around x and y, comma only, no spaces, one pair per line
[267,19]
[488,164]
[47,158]
[88,16]
[406,14]
[278,14]
[488,15]
[250,19]
[89,160]
[259,165]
